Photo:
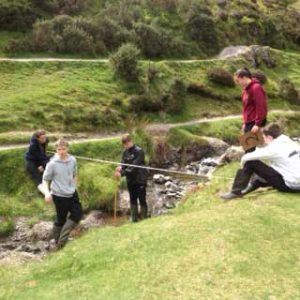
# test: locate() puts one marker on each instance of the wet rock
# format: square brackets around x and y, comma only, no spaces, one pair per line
[160,178]
[41,231]
[92,220]
[232,154]
[172,187]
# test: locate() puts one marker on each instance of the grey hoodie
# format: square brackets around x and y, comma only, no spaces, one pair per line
[61,173]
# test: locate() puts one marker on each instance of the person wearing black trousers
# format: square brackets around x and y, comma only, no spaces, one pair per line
[136,177]
[282,172]
[36,158]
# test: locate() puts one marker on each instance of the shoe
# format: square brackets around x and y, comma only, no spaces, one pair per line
[230,196]
[65,232]
[250,188]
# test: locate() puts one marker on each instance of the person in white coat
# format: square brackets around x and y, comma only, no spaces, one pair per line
[277,163]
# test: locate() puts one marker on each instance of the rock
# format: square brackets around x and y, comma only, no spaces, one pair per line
[14,258]
[42,231]
[172,187]
[232,154]
[210,162]
[92,220]
[160,178]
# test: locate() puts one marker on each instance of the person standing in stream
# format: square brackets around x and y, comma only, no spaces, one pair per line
[254,99]
[61,171]
[136,177]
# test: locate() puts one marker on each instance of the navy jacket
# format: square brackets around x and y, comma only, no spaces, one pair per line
[37,152]
[134,156]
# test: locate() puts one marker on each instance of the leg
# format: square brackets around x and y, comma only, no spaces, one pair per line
[133,202]
[271,176]
[74,207]
[143,202]
[61,216]
[35,175]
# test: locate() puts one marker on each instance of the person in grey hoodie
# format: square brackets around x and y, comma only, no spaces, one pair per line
[61,171]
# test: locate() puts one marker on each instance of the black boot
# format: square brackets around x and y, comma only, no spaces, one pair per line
[56,232]
[240,183]
[65,232]
[134,213]
[144,212]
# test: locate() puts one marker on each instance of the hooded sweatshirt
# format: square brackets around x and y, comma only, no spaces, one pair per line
[62,174]
[283,155]
[254,103]
[37,152]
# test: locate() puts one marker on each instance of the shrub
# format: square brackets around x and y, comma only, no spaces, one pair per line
[289,92]
[204,91]
[6,227]
[125,62]
[260,76]
[97,186]
[221,77]
[176,97]
[153,42]
[144,103]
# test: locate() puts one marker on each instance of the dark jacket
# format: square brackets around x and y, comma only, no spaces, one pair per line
[254,103]
[134,156]
[37,152]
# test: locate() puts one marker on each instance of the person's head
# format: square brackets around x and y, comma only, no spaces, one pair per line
[127,141]
[271,132]
[41,136]
[62,148]
[243,77]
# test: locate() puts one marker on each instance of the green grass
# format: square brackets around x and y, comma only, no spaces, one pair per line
[229,130]
[86,97]
[246,249]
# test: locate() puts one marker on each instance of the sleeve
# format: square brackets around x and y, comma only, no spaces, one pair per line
[263,153]
[35,151]
[259,96]
[75,171]
[48,174]
[138,161]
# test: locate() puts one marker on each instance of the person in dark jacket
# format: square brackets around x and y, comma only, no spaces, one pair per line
[36,158]
[254,99]
[136,177]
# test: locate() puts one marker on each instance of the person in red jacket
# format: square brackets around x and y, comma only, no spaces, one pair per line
[254,99]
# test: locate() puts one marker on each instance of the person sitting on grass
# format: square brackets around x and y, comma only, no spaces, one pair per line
[282,172]
[61,171]
[36,158]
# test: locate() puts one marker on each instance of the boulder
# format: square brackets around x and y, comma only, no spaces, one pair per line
[41,231]
[232,154]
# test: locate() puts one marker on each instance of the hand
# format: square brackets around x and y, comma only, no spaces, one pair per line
[41,169]
[119,169]
[48,198]
[117,174]
[243,128]
[255,129]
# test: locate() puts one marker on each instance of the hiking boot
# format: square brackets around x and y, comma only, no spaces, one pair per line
[144,212]
[230,196]
[56,233]
[134,213]
[65,232]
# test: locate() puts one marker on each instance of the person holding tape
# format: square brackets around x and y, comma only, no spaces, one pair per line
[254,99]
[136,177]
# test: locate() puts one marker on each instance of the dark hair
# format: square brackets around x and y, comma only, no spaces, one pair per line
[39,133]
[245,72]
[126,138]
[272,130]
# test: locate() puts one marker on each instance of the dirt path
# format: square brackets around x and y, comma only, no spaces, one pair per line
[153,128]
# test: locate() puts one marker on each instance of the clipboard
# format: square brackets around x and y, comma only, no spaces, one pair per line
[250,140]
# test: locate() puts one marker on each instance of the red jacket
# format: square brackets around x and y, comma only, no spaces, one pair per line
[254,103]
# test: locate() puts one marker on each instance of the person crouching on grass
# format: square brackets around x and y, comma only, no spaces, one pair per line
[282,171]
[61,171]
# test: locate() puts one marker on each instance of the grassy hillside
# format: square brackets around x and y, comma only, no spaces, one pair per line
[87,97]
[246,249]
[160,28]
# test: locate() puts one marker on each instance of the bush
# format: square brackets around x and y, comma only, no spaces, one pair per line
[260,76]
[289,92]
[176,97]
[153,42]
[221,77]
[125,62]
[144,103]
[204,91]
[97,186]
[6,227]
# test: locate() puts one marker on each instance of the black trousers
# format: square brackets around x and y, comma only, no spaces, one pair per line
[65,206]
[137,192]
[33,171]
[270,177]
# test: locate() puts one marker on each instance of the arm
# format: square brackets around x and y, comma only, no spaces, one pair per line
[259,154]
[35,151]
[260,104]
